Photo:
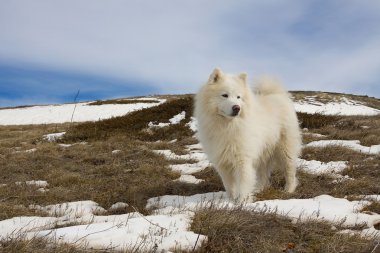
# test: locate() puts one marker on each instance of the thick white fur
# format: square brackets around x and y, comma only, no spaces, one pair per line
[245,148]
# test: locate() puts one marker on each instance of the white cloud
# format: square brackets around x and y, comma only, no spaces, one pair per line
[174,45]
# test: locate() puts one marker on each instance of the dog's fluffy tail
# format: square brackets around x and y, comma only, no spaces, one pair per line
[268,85]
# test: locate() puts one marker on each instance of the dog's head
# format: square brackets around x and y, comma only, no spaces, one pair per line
[228,93]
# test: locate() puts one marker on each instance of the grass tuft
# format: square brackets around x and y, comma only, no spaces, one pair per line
[316,120]
[238,230]
[122,101]
[135,124]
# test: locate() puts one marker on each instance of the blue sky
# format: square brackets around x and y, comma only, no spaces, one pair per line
[116,48]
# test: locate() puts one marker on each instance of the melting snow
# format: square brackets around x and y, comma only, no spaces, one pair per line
[355,145]
[176,119]
[344,107]
[38,183]
[196,154]
[373,197]
[192,124]
[32,150]
[160,232]
[54,136]
[118,205]
[168,229]
[189,179]
[315,135]
[324,207]
[70,145]
[317,167]
[163,232]
[62,113]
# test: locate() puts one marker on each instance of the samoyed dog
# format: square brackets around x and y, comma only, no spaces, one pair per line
[246,133]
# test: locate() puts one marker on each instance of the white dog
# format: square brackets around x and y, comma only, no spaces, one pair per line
[245,134]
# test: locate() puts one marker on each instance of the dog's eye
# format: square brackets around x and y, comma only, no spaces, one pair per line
[225,95]
[238,97]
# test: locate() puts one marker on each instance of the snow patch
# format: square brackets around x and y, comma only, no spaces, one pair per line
[352,144]
[176,119]
[70,145]
[192,124]
[189,179]
[163,232]
[324,207]
[374,197]
[315,135]
[62,113]
[37,183]
[18,150]
[160,232]
[118,205]
[116,151]
[71,210]
[189,202]
[345,107]
[317,167]
[195,153]
[54,136]
[189,168]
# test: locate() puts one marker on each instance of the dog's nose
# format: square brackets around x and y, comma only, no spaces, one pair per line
[236,109]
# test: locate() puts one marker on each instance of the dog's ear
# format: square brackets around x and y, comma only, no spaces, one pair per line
[243,76]
[215,76]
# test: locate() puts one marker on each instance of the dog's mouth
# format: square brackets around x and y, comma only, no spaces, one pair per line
[234,114]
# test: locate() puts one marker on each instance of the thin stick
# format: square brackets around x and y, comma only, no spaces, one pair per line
[199,234]
[75,101]
[377,245]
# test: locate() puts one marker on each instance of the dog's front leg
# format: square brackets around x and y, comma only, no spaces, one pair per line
[229,182]
[246,183]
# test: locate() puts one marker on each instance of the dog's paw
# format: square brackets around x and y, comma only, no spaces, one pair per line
[291,187]
[246,199]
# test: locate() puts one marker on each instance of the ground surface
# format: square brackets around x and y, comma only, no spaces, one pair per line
[141,182]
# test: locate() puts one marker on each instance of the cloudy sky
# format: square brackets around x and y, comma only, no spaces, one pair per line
[117,48]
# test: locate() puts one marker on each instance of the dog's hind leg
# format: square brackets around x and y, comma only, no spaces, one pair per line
[290,175]
[264,171]
[286,156]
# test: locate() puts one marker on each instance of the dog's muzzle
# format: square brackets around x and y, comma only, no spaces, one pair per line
[235,110]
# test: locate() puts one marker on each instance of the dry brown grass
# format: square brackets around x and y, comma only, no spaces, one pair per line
[332,153]
[92,172]
[20,245]
[366,129]
[373,207]
[123,101]
[316,121]
[85,172]
[325,97]
[135,124]
[351,128]
[244,231]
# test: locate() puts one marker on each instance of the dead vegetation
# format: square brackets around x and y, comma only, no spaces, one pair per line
[91,171]
[326,97]
[37,245]
[365,129]
[244,231]
[122,101]
[135,125]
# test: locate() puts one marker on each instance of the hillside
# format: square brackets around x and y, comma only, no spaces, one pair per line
[129,175]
